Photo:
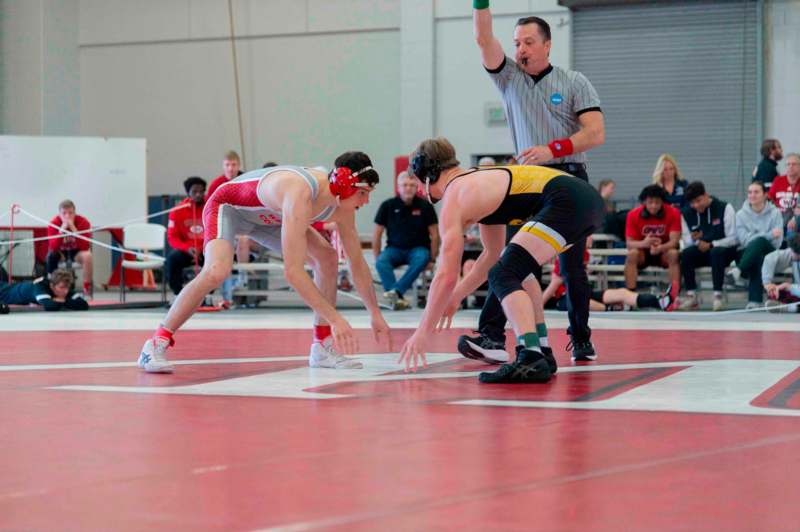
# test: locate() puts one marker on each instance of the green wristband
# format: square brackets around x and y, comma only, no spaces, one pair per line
[480,4]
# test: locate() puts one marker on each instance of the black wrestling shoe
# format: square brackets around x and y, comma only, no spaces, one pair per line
[547,352]
[483,348]
[582,351]
[529,367]
[4,308]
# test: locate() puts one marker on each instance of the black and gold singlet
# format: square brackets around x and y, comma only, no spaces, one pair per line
[524,193]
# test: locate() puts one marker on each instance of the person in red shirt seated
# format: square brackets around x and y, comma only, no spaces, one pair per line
[231,169]
[785,193]
[66,248]
[652,235]
[185,233]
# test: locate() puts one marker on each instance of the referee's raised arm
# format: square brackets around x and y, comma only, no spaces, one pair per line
[492,53]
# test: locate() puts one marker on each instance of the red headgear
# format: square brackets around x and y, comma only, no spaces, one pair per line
[344,182]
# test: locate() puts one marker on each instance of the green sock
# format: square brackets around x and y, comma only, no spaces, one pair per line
[530,339]
[541,331]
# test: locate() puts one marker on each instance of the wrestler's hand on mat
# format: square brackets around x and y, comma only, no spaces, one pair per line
[413,351]
[381,328]
[447,317]
[535,155]
[344,337]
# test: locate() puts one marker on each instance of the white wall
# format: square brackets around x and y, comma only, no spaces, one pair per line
[39,88]
[20,67]
[316,78]
[782,72]
[60,68]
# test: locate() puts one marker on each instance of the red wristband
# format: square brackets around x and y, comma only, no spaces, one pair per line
[561,147]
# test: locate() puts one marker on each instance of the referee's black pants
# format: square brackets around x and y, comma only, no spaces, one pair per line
[492,321]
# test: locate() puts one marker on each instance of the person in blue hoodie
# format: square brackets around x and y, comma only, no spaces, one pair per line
[778,261]
[759,230]
[53,294]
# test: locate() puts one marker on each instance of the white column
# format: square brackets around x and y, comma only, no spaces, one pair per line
[416,78]
[61,113]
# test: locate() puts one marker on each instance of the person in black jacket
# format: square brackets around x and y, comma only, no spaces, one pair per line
[767,169]
[53,294]
[708,228]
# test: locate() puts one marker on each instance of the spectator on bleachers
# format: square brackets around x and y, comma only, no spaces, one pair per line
[652,236]
[767,169]
[668,176]
[759,230]
[185,233]
[606,188]
[785,192]
[776,262]
[269,164]
[69,248]
[605,300]
[53,293]
[412,238]
[231,169]
[487,160]
[614,220]
[708,228]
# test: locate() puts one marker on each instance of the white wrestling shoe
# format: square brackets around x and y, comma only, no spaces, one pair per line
[324,355]
[152,358]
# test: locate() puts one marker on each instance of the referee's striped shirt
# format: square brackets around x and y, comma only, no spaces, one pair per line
[545,107]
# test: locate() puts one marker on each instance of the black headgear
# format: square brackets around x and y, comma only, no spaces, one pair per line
[425,168]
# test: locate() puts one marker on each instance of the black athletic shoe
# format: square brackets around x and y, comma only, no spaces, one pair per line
[4,308]
[547,352]
[582,351]
[529,367]
[483,348]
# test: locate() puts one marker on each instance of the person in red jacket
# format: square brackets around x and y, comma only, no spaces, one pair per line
[785,192]
[65,248]
[185,233]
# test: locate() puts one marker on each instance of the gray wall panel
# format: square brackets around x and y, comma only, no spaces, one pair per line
[677,78]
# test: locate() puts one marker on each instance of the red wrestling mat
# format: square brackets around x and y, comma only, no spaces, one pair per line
[669,430]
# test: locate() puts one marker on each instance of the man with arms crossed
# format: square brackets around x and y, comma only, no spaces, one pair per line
[275,207]
[555,117]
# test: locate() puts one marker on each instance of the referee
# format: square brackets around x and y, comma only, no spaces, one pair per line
[555,117]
